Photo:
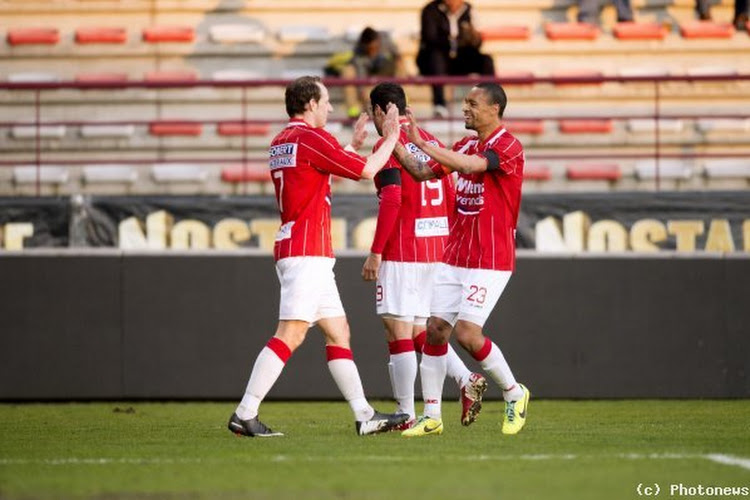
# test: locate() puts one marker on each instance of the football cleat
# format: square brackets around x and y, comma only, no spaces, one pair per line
[425,426]
[471,398]
[380,422]
[250,428]
[515,413]
[406,425]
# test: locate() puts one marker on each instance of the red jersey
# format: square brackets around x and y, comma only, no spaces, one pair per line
[419,230]
[483,233]
[302,159]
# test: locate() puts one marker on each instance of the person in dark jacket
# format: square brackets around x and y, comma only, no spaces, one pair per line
[449,45]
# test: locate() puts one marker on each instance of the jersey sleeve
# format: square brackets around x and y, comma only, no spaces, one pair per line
[389,192]
[326,154]
[508,155]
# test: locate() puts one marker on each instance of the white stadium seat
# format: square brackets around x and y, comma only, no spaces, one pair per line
[33,77]
[236,33]
[97,131]
[706,125]
[179,172]
[643,125]
[30,131]
[304,33]
[727,168]
[93,174]
[48,174]
[237,75]
[668,169]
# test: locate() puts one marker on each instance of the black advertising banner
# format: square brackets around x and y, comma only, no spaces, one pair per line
[34,222]
[567,222]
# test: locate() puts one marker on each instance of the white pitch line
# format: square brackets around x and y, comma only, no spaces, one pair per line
[729,460]
[722,459]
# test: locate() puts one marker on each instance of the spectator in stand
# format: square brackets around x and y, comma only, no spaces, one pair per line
[374,54]
[588,11]
[449,45]
[740,12]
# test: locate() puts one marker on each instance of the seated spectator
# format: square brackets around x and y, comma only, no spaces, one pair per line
[449,45]
[588,11]
[703,8]
[374,54]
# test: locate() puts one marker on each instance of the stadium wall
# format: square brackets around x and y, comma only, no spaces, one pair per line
[123,325]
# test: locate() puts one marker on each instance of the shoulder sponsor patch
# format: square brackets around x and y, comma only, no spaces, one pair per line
[418,153]
[283,155]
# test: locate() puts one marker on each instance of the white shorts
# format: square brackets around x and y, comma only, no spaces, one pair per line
[466,294]
[308,289]
[403,290]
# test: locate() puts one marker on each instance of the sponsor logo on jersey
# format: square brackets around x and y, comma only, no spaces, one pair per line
[469,196]
[285,231]
[418,153]
[431,226]
[283,155]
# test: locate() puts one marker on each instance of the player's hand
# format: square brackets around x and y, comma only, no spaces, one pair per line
[360,131]
[412,129]
[370,269]
[390,124]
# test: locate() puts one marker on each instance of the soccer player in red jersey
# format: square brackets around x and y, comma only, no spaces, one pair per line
[480,253]
[302,159]
[411,231]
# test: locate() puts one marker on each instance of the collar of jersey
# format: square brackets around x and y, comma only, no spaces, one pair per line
[298,122]
[493,136]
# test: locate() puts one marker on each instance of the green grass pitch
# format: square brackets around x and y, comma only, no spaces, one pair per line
[568,450]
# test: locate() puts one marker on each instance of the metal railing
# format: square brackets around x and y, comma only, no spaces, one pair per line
[657,82]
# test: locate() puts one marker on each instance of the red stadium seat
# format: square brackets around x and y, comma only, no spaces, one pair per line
[101,77]
[33,36]
[706,29]
[524,126]
[537,173]
[165,128]
[597,126]
[159,34]
[505,32]
[639,31]
[571,31]
[101,35]
[169,76]
[600,172]
[577,73]
[253,172]
[238,128]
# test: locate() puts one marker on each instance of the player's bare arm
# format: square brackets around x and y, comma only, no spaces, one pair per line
[391,133]
[418,169]
[466,164]
[371,267]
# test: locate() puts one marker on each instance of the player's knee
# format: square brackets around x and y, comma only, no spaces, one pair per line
[438,331]
[468,335]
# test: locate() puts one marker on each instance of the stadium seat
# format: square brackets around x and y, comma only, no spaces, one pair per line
[97,131]
[668,169]
[178,172]
[639,31]
[253,172]
[537,173]
[160,34]
[706,29]
[33,76]
[106,173]
[738,125]
[102,77]
[291,74]
[237,75]
[238,128]
[171,75]
[47,174]
[33,36]
[594,126]
[167,128]
[571,31]
[577,73]
[727,168]
[642,71]
[30,131]
[668,125]
[505,32]
[604,172]
[524,126]
[711,70]
[236,33]
[304,33]
[101,35]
